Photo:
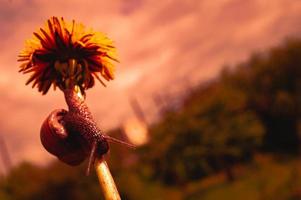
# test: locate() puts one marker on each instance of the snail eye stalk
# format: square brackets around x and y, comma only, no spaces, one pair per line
[64,54]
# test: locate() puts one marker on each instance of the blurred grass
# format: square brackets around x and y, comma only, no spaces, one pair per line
[266,178]
[269,176]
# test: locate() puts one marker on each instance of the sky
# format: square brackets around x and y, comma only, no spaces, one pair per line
[164,47]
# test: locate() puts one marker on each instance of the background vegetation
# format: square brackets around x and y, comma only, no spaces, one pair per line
[237,137]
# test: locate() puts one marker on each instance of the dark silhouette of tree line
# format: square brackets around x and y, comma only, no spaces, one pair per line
[249,108]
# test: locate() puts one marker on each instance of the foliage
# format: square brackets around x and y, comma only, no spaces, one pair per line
[249,109]
[273,84]
[57,181]
[257,182]
[212,133]
[226,121]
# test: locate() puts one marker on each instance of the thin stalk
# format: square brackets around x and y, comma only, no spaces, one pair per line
[106,180]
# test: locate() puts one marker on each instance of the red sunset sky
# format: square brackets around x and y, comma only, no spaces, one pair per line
[164,46]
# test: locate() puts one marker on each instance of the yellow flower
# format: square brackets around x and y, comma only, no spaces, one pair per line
[67,55]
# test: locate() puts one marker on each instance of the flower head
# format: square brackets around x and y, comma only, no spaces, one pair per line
[65,55]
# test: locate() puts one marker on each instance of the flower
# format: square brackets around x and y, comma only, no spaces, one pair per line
[66,55]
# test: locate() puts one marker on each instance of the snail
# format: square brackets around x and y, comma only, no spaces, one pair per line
[67,56]
[73,135]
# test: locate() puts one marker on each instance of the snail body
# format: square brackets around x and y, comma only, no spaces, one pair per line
[73,135]
[79,119]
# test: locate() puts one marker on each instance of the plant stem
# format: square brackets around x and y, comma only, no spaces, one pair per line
[106,180]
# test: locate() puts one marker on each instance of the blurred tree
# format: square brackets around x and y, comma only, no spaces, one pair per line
[210,134]
[273,85]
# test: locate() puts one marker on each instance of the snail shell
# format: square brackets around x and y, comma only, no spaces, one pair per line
[67,145]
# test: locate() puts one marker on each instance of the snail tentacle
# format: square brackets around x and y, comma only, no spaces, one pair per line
[92,158]
[117,141]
